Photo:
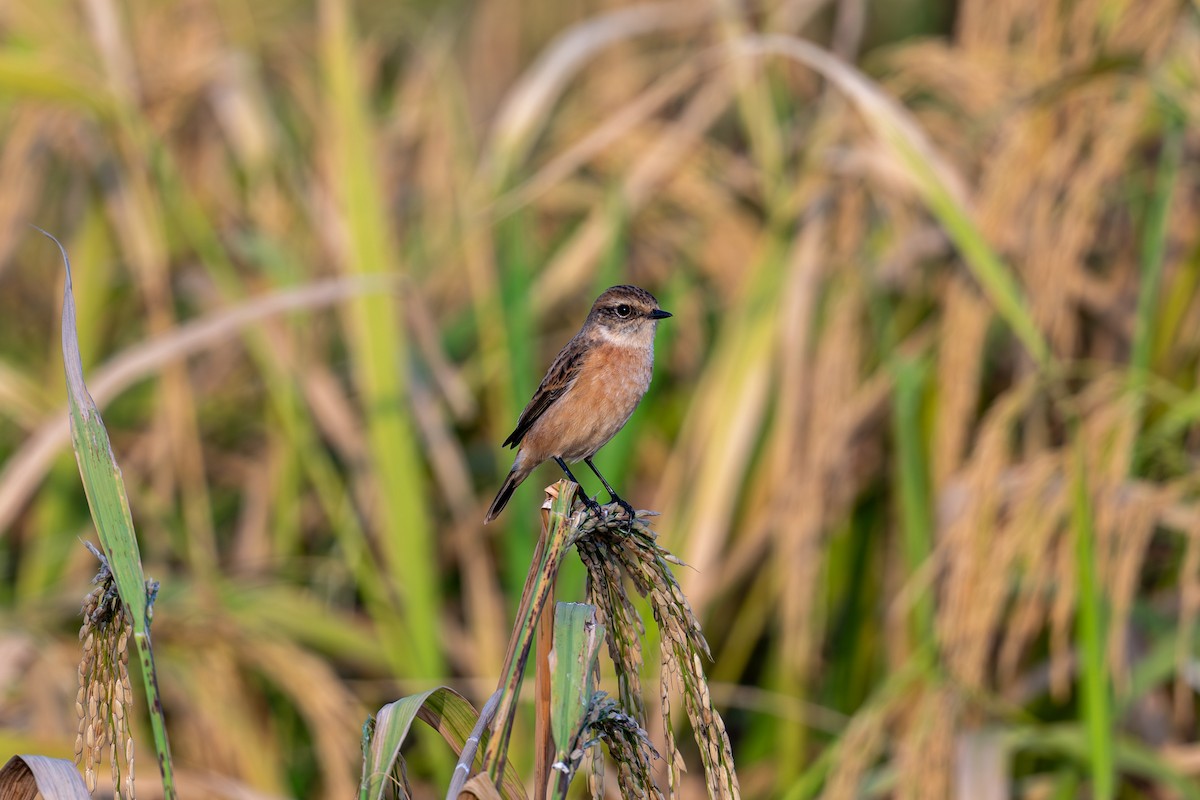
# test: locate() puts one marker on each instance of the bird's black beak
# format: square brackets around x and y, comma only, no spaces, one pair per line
[658,313]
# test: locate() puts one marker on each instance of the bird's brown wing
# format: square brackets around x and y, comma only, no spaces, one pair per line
[559,377]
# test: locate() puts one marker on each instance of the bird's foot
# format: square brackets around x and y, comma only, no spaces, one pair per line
[592,505]
[628,509]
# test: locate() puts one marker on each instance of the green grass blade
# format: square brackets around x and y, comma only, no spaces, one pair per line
[446,711]
[913,478]
[109,504]
[1154,243]
[577,640]
[1096,698]
[101,475]
[377,346]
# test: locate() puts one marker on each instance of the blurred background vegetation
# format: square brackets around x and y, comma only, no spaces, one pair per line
[923,424]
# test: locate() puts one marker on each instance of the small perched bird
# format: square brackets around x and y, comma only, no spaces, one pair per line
[589,392]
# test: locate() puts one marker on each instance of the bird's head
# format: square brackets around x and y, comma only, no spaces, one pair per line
[626,312]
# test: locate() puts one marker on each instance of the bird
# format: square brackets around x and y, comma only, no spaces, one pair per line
[590,391]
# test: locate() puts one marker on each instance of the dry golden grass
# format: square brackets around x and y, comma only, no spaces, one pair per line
[866,453]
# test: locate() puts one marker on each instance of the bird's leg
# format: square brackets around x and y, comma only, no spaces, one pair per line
[615,498]
[587,501]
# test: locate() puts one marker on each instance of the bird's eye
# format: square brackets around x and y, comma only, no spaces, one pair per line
[623,311]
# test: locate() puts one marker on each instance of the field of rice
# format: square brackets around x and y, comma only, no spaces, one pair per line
[922,426]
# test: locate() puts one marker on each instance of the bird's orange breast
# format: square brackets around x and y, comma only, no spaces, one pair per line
[610,383]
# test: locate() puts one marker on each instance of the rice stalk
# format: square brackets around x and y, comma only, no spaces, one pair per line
[620,550]
[105,697]
[627,742]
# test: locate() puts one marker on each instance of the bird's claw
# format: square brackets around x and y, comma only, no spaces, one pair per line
[628,509]
[593,507]
[598,510]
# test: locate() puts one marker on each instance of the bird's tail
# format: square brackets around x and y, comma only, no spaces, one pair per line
[514,479]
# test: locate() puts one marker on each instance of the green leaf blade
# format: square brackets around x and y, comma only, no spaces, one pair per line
[109,505]
[444,710]
[102,480]
[577,640]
